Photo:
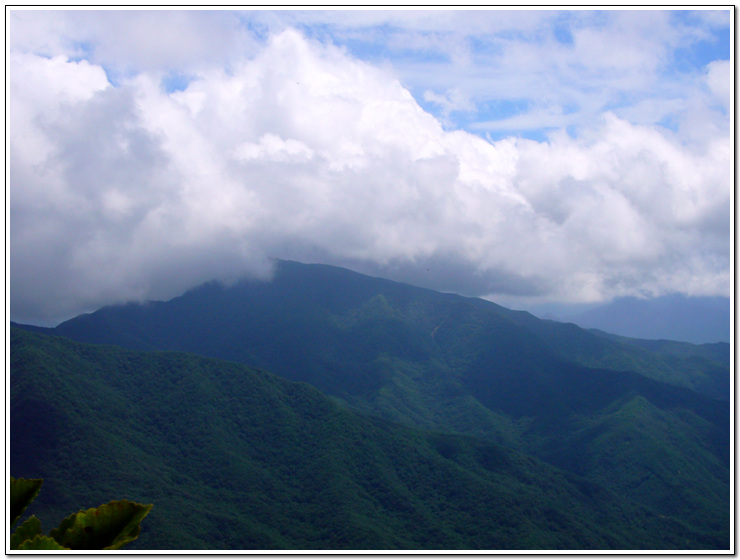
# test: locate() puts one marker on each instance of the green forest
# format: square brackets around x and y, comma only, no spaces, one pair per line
[330,411]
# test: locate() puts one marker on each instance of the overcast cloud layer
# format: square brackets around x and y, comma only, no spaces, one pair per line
[545,155]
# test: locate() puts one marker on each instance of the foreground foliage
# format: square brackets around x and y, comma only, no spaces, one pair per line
[107,527]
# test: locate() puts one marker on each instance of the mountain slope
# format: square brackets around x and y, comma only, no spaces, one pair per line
[235,458]
[702,368]
[447,363]
[316,306]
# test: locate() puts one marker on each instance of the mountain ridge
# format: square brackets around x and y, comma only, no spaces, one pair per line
[633,416]
[304,281]
[697,320]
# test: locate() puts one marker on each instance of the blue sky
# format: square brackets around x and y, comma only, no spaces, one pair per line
[527,156]
[450,68]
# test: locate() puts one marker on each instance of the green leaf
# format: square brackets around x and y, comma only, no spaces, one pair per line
[30,528]
[107,527]
[41,542]
[22,493]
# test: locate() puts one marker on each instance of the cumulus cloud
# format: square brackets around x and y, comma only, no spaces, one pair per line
[130,191]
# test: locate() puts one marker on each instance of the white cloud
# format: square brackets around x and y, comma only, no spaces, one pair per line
[719,80]
[273,148]
[450,101]
[300,151]
[127,41]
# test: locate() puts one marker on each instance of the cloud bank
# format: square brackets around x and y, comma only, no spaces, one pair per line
[123,187]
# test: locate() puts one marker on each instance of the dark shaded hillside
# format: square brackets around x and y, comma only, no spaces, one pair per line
[617,413]
[313,308]
[718,352]
[702,368]
[235,458]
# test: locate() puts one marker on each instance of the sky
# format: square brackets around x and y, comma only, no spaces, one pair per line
[525,156]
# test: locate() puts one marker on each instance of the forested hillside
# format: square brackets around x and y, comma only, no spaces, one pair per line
[648,423]
[330,314]
[236,458]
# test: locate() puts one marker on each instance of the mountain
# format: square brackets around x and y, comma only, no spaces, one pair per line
[674,317]
[330,314]
[235,458]
[651,424]
[703,368]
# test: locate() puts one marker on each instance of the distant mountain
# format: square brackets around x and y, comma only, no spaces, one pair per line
[319,315]
[235,458]
[651,424]
[674,317]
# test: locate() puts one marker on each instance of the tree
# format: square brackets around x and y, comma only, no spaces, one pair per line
[107,527]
